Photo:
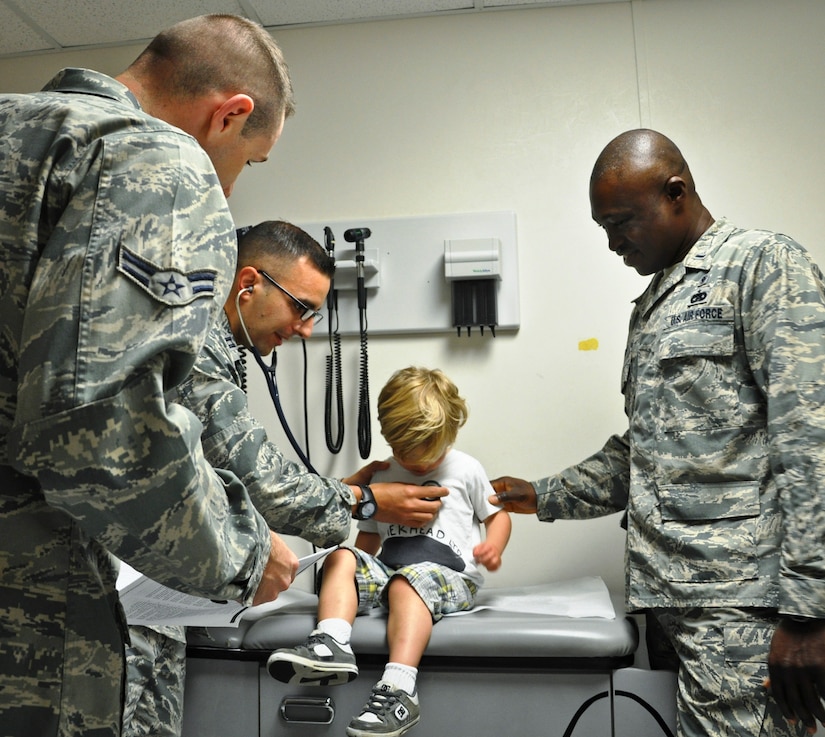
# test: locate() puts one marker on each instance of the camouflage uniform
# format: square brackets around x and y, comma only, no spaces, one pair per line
[155,664]
[118,250]
[293,502]
[721,469]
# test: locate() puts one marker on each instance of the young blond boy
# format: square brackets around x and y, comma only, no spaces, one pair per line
[420,574]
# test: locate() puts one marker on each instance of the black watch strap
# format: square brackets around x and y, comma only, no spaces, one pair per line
[367,507]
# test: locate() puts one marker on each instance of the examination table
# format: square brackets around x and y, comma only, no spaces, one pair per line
[489,673]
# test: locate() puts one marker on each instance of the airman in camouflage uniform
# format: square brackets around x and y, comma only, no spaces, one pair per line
[118,252]
[292,500]
[721,471]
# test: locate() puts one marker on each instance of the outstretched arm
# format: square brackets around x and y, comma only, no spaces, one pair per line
[405,504]
[488,553]
[514,495]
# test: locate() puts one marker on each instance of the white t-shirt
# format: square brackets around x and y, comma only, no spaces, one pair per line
[450,538]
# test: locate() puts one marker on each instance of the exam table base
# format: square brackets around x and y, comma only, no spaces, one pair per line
[237,698]
[486,674]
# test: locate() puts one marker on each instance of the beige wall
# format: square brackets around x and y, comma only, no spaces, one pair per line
[507,111]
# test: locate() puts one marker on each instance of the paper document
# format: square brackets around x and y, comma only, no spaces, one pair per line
[308,560]
[147,602]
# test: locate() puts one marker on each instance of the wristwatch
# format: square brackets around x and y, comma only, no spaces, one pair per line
[367,507]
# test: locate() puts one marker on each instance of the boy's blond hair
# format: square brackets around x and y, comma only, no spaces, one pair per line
[420,412]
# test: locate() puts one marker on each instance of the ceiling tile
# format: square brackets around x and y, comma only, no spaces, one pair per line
[32,26]
[17,35]
[288,12]
[533,3]
[88,22]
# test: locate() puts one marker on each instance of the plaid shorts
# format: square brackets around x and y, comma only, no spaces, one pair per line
[442,589]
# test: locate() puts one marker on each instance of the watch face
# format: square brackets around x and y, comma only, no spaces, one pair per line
[366,509]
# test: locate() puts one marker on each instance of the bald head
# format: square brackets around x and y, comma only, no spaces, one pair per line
[643,195]
[641,152]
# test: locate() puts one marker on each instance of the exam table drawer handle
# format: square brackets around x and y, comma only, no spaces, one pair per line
[307,710]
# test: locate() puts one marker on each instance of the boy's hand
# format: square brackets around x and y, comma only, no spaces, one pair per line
[487,555]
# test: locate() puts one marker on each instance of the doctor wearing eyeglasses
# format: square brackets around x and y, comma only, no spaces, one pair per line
[281,280]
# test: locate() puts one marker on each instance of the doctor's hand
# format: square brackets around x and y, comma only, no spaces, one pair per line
[279,572]
[364,475]
[514,495]
[796,664]
[407,504]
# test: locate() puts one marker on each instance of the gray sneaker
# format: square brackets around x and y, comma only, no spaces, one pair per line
[320,661]
[388,712]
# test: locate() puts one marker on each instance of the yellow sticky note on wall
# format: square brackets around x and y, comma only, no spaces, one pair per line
[591,344]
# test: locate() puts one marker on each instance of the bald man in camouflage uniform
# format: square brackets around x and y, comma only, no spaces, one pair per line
[292,500]
[118,253]
[722,468]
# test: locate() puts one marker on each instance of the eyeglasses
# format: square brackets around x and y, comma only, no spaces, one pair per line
[304,311]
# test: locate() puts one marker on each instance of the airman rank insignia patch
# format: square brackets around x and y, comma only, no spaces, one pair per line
[166,285]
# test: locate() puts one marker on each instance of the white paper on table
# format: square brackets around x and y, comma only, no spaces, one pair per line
[580,597]
[147,602]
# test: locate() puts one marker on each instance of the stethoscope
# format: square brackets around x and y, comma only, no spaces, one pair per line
[357,236]
[271,383]
[333,376]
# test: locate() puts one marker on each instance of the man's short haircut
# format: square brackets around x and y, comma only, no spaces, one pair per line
[637,150]
[222,53]
[420,412]
[281,243]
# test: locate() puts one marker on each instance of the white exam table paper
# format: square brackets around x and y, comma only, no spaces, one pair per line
[579,597]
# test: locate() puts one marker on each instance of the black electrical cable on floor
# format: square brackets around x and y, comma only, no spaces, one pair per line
[665,729]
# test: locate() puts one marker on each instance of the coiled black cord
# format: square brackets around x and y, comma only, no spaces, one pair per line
[333,360]
[334,380]
[364,429]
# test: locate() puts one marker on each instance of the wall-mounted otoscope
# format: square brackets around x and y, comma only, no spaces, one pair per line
[358,236]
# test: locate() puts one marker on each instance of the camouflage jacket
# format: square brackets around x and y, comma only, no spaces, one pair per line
[291,500]
[118,249]
[722,469]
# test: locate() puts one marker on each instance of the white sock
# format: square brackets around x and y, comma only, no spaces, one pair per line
[396,677]
[339,629]
[401,676]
